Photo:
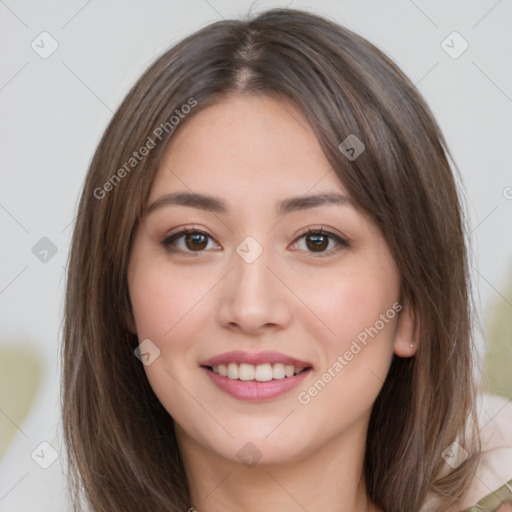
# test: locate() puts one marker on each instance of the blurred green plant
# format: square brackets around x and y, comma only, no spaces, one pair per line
[20,378]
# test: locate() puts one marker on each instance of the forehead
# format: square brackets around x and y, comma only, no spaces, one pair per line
[246,144]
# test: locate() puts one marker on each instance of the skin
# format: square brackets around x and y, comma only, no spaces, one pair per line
[251,153]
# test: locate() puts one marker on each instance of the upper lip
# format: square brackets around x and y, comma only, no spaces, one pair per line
[255,358]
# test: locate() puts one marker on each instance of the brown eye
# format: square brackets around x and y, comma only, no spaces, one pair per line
[320,242]
[189,241]
[196,241]
[317,242]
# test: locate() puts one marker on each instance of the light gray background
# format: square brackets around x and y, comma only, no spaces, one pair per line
[54,110]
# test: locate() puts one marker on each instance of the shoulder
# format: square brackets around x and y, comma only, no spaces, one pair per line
[495,467]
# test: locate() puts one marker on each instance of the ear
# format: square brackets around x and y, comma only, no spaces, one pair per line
[407,337]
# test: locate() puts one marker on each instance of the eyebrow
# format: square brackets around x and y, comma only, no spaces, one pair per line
[216,205]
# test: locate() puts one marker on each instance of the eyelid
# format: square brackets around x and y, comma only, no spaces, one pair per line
[183,230]
[324,231]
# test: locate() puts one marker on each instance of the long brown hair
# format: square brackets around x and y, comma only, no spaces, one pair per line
[122,449]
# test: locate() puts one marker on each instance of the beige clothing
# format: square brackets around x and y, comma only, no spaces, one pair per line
[491,489]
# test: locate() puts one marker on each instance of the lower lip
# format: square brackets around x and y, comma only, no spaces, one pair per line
[254,391]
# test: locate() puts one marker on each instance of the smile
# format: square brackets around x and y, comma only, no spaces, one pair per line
[255,377]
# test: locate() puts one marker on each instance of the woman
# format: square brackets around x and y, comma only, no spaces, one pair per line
[267,303]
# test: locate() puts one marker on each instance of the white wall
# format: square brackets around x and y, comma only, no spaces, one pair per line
[54,110]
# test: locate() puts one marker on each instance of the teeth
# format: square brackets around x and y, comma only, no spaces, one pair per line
[278,371]
[232,371]
[245,371]
[263,372]
[260,373]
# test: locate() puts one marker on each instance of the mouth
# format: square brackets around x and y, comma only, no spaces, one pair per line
[255,376]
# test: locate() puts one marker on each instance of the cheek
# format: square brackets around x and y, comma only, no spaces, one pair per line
[350,303]
[360,309]
[154,309]
[164,299]
[170,311]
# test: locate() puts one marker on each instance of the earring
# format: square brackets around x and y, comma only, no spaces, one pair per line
[412,345]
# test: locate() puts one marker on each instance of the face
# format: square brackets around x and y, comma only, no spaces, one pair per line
[272,304]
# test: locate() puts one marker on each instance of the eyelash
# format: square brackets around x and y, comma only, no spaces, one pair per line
[170,239]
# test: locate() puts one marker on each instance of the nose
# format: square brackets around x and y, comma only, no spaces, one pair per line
[252,299]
